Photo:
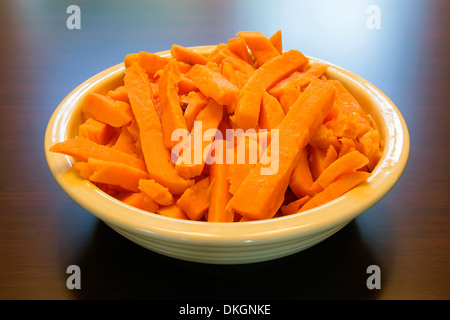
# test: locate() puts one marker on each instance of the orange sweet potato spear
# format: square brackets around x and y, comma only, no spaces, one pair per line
[111,173]
[138,200]
[238,171]
[213,84]
[219,191]
[130,59]
[119,93]
[294,206]
[343,184]
[323,137]
[271,113]
[301,178]
[249,102]
[330,156]
[346,100]
[316,161]
[347,145]
[189,165]
[347,163]
[83,149]
[156,192]
[369,145]
[195,200]
[236,77]
[125,142]
[349,118]
[239,65]
[196,102]
[185,86]
[259,195]
[319,160]
[104,109]
[171,113]
[223,53]
[150,62]
[156,154]
[239,48]
[172,211]
[298,79]
[260,46]
[276,41]
[230,74]
[187,55]
[96,131]
[289,96]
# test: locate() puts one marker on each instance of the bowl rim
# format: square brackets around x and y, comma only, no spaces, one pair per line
[337,212]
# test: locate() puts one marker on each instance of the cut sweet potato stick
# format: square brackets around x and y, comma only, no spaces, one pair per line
[133,129]
[96,131]
[185,85]
[258,196]
[249,102]
[370,146]
[223,53]
[330,156]
[125,142]
[301,178]
[350,162]
[336,189]
[229,73]
[195,200]
[260,46]
[172,211]
[347,145]
[138,200]
[156,192]
[196,102]
[294,206]
[213,84]
[111,173]
[277,41]
[113,139]
[156,154]
[271,113]
[119,93]
[187,55]
[323,138]
[298,79]
[246,155]
[239,65]
[130,59]
[346,100]
[192,160]
[349,121]
[171,113]
[104,109]
[350,126]
[151,62]
[83,149]
[213,66]
[219,191]
[316,161]
[239,47]
[289,96]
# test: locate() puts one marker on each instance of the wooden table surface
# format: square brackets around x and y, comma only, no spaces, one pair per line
[42,231]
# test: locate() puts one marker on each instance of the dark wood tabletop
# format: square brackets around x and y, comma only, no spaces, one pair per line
[401,46]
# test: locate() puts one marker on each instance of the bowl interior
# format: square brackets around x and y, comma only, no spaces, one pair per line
[67,117]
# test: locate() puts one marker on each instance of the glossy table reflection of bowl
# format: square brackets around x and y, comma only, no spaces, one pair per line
[231,243]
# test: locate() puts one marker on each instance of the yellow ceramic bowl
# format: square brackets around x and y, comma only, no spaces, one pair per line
[231,243]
